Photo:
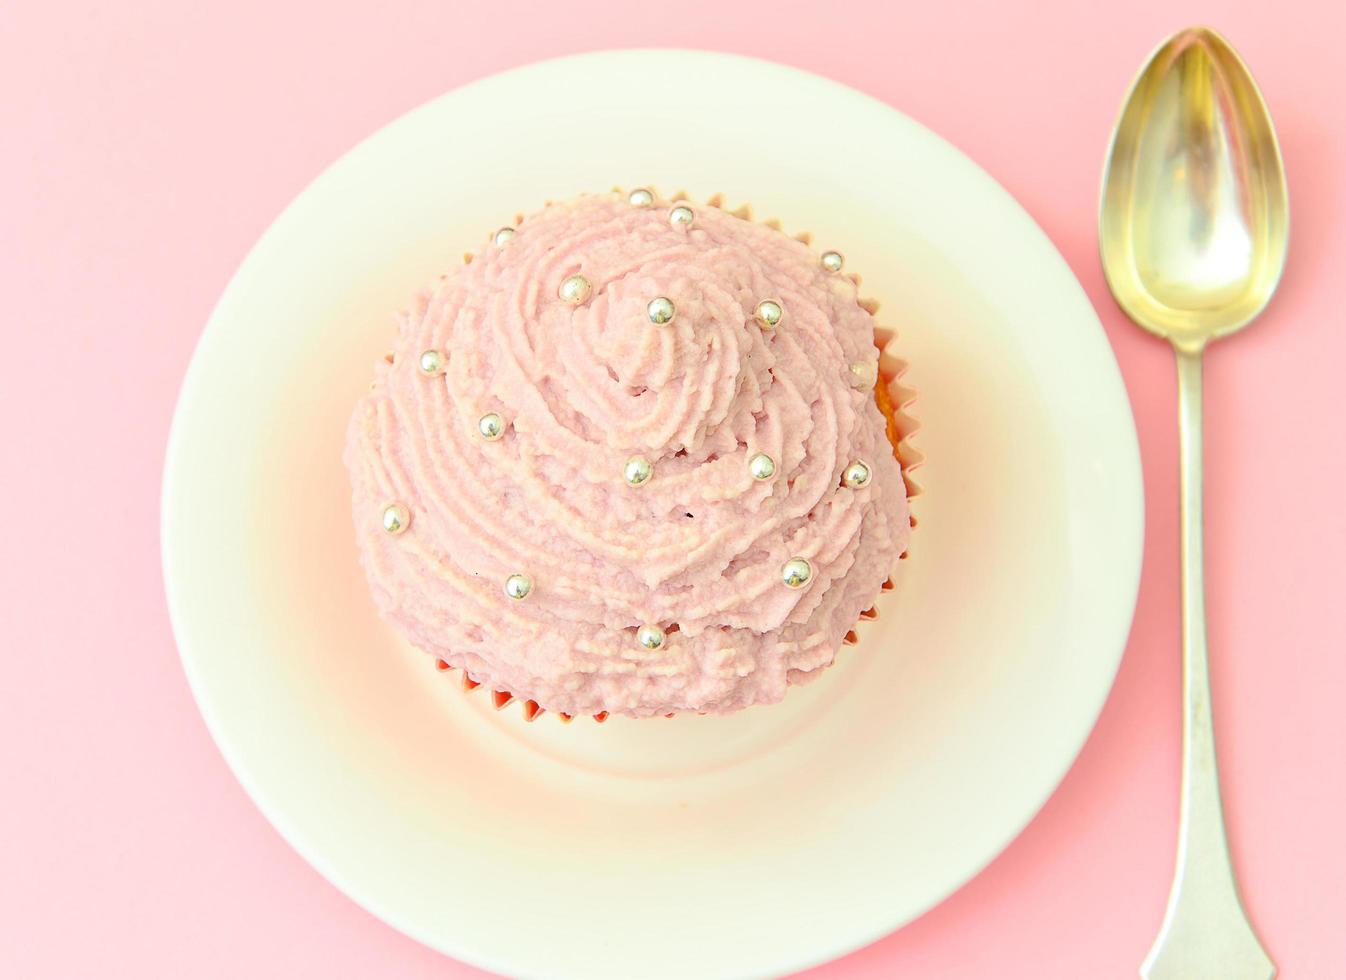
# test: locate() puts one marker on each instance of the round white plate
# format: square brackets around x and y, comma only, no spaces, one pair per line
[710,847]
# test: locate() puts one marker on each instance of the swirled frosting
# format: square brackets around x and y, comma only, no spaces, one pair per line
[697,550]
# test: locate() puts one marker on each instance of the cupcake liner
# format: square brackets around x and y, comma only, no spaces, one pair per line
[894,399]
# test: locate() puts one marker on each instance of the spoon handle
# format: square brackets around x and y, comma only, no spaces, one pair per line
[1206,933]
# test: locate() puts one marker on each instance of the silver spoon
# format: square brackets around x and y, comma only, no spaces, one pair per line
[1193,227]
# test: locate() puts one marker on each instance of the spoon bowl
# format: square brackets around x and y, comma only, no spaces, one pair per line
[1194,214]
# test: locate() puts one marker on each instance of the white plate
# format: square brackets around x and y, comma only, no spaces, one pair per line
[708,847]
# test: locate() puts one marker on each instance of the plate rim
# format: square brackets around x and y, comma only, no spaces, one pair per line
[1129,576]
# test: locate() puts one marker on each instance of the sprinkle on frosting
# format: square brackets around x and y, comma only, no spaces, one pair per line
[491,426]
[518,585]
[661,310]
[431,363]
[856,476]
[637,471]
[650,637]
[575,290]
[396,517]
[865,374]
[681,216]
[763,577]
[761,466]
[768,313]
[796,573]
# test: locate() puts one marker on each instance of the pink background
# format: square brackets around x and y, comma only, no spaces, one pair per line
[145,151]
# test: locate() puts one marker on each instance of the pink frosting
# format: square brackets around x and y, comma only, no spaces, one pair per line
[698,550]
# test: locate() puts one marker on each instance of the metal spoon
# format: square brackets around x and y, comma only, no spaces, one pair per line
[1193,227]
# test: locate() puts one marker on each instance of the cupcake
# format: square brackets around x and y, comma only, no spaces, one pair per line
[637,457]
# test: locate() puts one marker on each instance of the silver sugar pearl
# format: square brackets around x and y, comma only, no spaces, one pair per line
[762,466]
[491,426]
[575,290]
[661,310]
[431,363]
[396,517]
[637,471]
[864,374]
[796,573]
[640,198]
[832,261]
[503,236]
[518,585]
[681,216]
[650,637]
[856,476]
[768,313]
